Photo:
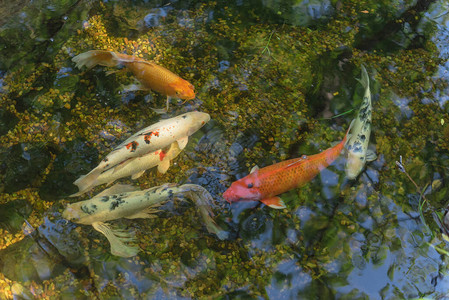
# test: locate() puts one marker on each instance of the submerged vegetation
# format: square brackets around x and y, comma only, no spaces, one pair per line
[267,72]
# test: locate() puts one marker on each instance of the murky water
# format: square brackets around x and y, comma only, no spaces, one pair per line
[278,79]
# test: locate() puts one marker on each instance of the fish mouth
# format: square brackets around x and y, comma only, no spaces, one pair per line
[229,196]
[188,96]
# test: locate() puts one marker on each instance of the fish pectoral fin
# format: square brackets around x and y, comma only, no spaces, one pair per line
[137,175]
[168,102]
[370,155]
[274,202]
[117,189]
[159,111]
[163,166]
[147,213]
[173,151]
[182,142]
[117,240]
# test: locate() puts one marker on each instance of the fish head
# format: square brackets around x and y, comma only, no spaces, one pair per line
[71,213]
[184,90]
[354,165]
[243,189]
[197,120]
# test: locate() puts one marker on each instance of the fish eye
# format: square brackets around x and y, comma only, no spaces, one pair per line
[178,92]
[250,185]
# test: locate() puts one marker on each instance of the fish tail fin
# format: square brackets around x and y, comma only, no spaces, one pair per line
[86,182]
[364,81]
[204,201]
[96,57]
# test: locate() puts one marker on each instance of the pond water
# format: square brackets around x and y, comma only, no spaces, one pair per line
[279,80]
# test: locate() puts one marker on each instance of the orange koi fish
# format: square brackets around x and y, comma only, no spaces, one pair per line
[265,184]
[150,75]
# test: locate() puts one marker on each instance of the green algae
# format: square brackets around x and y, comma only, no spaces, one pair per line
[274,88]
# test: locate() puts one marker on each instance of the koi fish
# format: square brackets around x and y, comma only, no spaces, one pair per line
[357,145]
[150,139]
[124,201]
[266,183]
[135,167]
[150,75]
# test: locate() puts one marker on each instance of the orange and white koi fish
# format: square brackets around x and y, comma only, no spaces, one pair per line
[150,75]
[150,139]
[135,167]
[125,201]
[265,184]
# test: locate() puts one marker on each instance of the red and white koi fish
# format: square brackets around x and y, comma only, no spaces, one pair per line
[265,184]
[125,201]
[150,139]
[135,167]
[150,75]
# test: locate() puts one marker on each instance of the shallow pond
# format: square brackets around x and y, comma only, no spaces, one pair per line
[278,79]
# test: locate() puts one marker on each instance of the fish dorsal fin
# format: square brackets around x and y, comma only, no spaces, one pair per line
[182,142]
[297,161]
[122,165]
[117,189]
[149,63]
[254,169]
[121,59]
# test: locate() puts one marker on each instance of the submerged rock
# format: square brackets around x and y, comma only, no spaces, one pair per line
[23,165]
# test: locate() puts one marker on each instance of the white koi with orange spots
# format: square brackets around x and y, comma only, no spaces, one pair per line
[134,167]
[150,139]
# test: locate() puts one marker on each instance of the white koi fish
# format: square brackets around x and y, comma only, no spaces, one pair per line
[124,201]
[150,139]
[357,144]
[135,167]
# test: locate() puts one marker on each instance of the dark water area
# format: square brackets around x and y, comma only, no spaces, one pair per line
[279,80]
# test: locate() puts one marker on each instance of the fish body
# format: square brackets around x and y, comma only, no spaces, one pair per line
[150,75]
[124,201]
[134,167]
[150,139]
[357,145]
[266,183]
[113,204]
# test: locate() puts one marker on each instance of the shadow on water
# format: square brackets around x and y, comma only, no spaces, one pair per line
[273,75]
